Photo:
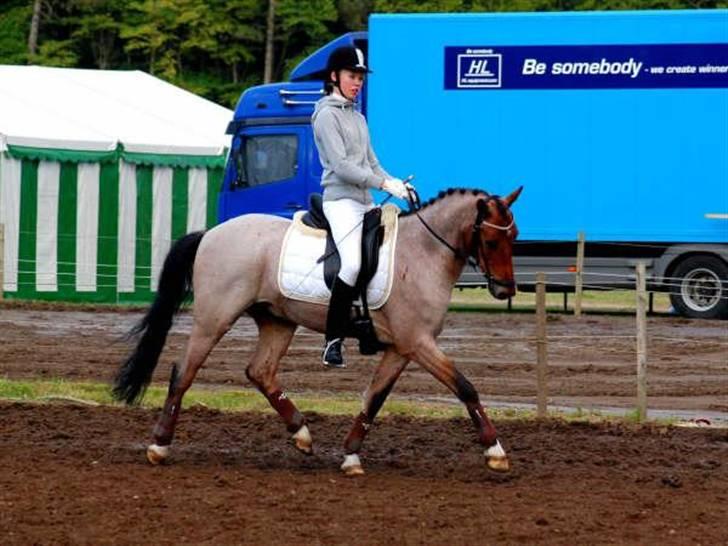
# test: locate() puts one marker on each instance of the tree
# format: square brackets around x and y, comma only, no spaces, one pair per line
[304,28]
[239,39]
[34,26]
[269,33]
[414,6]
[96,26]
[14,20]
[150,29]
[52,44]
[353,13]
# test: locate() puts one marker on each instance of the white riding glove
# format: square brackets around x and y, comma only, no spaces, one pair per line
[396,187]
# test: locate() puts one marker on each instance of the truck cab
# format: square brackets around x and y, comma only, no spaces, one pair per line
[273,164]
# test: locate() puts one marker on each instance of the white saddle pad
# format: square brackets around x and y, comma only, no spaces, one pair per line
[301,278]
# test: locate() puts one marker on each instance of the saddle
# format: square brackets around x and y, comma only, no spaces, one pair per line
[361,326]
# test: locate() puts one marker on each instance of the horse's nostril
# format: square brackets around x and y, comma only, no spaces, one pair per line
[503,292]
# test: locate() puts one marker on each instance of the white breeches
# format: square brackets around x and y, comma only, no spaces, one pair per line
[345,217]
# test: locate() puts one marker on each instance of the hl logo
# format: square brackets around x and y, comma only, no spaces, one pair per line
[479,69]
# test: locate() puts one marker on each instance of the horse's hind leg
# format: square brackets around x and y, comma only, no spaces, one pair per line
[385,376]
[274,337]
[199,345]
[430,357]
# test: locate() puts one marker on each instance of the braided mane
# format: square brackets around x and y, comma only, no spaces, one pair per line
[451,191]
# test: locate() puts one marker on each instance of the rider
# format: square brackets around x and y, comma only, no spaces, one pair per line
[350,170]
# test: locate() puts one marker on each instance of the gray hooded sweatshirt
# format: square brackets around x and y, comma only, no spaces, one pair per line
[342,138]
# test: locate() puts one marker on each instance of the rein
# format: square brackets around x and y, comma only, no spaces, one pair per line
[469,257]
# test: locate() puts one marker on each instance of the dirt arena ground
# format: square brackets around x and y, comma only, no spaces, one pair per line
[77,475]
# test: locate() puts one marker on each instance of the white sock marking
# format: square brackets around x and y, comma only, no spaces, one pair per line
[350,460]
[495,450]
[303,435]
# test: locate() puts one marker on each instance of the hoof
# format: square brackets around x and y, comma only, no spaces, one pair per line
[303,441]
[499,464]
[352,466]
[496,458]
[157,454]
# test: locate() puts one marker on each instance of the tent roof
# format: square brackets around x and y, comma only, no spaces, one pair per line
[96,110]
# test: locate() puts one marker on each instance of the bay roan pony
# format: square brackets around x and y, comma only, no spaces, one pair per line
[232,270]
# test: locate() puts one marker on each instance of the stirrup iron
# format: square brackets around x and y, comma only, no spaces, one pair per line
[332,356]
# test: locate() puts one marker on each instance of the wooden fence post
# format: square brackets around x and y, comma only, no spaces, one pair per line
[541,357]
[641,342]
[2,261]
[579,281]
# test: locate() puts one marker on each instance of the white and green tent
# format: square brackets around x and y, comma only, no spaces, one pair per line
[99,172]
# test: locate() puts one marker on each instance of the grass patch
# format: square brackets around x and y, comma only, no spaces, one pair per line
[250,400]
[223,400]
[621,301]
[462,299]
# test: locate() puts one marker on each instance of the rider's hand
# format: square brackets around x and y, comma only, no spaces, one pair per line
[396,187]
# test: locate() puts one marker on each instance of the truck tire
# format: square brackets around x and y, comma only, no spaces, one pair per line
[701,287]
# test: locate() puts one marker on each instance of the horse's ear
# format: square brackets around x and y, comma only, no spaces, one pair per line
[510,199]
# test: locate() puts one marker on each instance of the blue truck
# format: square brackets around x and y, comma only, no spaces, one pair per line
[616,123]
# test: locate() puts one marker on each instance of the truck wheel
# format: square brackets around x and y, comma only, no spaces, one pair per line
[701,287]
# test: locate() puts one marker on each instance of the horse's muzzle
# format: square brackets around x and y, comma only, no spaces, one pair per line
[501,290]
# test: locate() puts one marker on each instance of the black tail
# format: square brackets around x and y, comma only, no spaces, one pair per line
[175,285]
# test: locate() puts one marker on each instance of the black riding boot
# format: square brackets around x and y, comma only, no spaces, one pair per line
[337,322]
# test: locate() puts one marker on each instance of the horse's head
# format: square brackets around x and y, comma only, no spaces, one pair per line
[494,232]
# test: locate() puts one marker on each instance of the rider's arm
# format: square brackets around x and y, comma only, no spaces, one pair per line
[332,148]
[375,165]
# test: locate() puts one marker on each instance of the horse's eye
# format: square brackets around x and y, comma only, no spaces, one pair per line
[492,245]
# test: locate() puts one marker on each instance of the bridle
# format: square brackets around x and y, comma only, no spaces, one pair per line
[471,256]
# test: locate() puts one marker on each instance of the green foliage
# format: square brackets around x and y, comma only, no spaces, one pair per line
[56,53]
[150,31]
[413,6]
[232,400]
[14,22]
[353,13]
[305,28]
[216,48]
[95,29]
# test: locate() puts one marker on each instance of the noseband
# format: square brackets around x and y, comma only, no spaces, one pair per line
[471,256]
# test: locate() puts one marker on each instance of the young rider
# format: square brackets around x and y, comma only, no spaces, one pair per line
[350,171]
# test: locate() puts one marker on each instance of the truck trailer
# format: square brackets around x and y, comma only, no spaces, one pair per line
[616,124]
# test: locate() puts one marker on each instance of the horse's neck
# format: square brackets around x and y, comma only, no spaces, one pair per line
[448,221]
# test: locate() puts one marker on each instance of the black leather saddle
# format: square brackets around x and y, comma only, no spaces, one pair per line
[361,326]
[372,238]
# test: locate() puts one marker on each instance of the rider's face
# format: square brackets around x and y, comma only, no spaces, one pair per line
[350,82]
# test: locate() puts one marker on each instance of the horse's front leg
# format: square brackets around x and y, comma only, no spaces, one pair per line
[275,336]
[430,357]
[385,376]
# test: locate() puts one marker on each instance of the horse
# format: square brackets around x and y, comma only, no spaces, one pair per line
[232,270]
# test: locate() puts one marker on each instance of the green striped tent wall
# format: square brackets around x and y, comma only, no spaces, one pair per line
[97,231]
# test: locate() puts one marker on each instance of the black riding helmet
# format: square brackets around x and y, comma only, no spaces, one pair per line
[345,57]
